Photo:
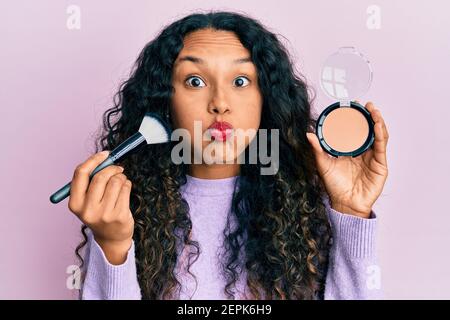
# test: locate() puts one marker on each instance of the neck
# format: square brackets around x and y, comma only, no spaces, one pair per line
[215,171]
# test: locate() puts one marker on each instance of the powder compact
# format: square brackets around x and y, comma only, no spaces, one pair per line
[345,128]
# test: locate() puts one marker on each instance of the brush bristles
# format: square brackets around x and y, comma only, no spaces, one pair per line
[153,130]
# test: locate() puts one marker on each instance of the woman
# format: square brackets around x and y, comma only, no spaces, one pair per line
[159,230]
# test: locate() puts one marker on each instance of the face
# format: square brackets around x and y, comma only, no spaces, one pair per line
[215,81]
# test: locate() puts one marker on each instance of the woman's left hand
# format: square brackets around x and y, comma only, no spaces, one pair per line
[354,184]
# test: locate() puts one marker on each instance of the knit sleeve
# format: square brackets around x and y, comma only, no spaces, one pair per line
[353,270]
[105,281]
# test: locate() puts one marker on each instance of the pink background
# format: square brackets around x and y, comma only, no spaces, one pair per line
[56,82]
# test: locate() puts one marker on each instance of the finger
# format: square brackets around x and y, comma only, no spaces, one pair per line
[380,143]
[370,107]
[385,130]
[377,117]
[80,180]
[99,181]
[314,141]
[123,200]
[112,191]
[383,124]
[376,114]
[321,156]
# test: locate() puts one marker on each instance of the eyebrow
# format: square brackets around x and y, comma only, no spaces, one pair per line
[201,61]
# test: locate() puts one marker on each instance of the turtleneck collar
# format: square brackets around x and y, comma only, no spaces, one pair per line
[209,187]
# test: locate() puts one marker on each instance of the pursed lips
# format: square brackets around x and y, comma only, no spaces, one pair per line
[220,130]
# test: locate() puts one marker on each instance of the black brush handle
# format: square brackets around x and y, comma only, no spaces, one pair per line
[64,192]
[126,146]
[118,153]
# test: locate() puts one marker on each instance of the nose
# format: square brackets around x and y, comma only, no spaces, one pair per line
[218,103]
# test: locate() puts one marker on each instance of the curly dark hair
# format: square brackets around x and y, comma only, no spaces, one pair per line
[282,225]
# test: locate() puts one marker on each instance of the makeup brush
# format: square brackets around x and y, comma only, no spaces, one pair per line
[153,130]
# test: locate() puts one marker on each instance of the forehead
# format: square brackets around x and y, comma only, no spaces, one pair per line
[213,43]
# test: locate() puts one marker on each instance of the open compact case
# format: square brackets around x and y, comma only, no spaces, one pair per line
[345,128]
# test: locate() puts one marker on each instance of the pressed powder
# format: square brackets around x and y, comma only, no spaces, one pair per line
[345,129]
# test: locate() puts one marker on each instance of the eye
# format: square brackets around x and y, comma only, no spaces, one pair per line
[195,82]
[241,81]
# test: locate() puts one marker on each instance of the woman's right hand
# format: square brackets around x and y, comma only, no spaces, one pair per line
[104,206]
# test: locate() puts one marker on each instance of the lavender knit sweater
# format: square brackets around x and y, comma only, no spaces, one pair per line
[352,273]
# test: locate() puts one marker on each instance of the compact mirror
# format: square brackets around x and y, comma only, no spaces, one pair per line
[345,128]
